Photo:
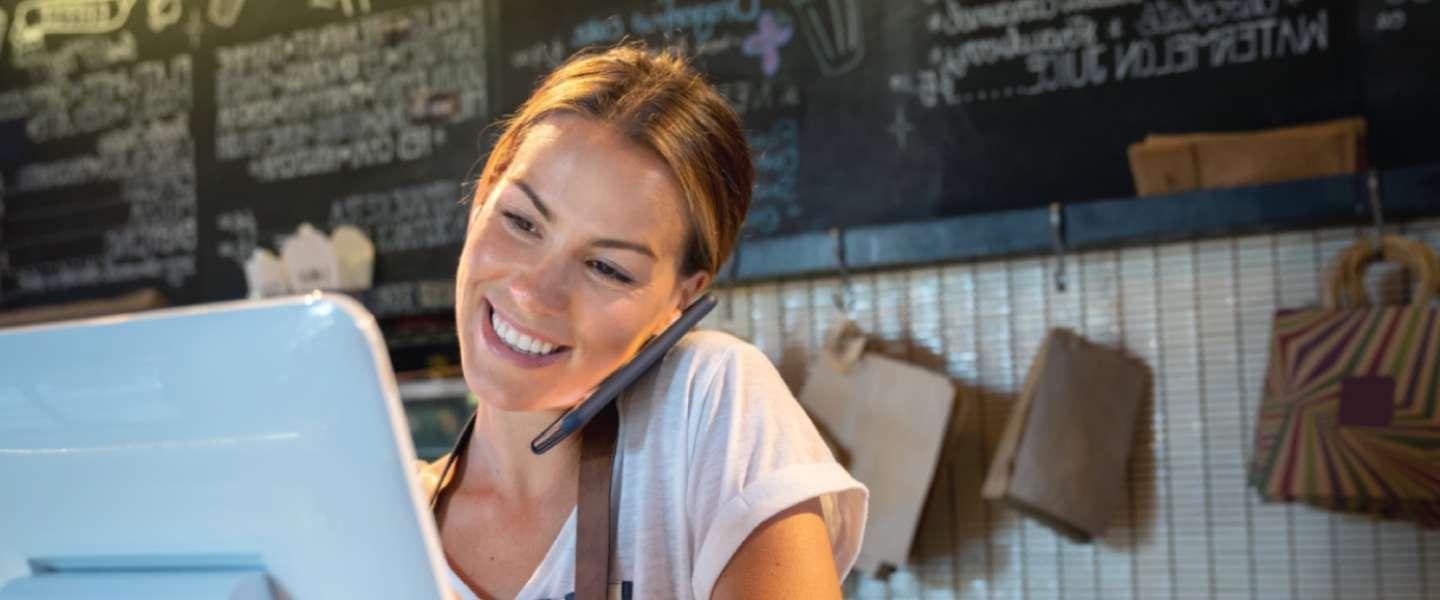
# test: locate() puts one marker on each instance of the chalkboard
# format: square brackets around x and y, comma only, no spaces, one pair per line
[874,112]
[96,153]
[158,142]
[1401,53]
[342,113]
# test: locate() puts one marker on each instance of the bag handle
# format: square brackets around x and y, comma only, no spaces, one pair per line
[844,344]
[1347,283]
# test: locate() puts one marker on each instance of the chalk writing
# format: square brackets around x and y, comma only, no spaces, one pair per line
[697,23]
[194,29]
[768,97]
[223,13]
[89,52]
[833,31]
[900,127]
[102,99]
[1063,45]
[746,95]
[540,55]
[410,297]
[35,19]
[957,60]
[362,93]
[1162,17]
[160,14]
[954,18]
[1238,43]
[766,42]
[241,234]
[1395,15]
[598,31]
[777,169]
[699,20]
[348,7]
[110,195]
[415,217]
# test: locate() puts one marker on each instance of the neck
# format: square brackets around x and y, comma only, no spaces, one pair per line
[498,458]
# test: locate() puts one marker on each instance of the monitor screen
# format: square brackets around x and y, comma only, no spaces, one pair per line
[268,433]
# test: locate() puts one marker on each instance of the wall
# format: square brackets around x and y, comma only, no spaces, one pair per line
[1199,313]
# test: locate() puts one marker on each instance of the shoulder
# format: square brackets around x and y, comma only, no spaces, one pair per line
[710,383]
[717,348]
[712,371]
[708,357]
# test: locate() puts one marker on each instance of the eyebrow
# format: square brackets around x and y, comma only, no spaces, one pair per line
[622,244]
[534,198]
[602,243]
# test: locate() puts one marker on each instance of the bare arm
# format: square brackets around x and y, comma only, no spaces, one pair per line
[787,556]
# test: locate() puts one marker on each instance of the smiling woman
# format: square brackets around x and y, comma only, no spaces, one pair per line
[605,208]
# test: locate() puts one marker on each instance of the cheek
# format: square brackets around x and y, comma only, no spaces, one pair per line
[618,330]
[486,254]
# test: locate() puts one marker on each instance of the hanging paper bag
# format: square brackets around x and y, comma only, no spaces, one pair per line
[1350,417]
[1062,457]
[890,418]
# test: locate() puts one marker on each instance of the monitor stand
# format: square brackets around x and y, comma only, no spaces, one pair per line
[142,577]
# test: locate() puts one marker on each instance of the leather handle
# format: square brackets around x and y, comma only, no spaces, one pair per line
[1347,283]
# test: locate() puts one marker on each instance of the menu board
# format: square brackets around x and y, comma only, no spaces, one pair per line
[158,143]
[877,112]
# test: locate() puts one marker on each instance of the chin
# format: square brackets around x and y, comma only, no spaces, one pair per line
[520,397]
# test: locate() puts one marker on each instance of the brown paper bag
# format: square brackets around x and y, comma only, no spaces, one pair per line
[890,418]
[1170,164]
[1062,456]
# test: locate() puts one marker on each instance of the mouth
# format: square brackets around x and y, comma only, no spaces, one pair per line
[524,350]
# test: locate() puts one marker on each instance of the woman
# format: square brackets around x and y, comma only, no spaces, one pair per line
[605,208]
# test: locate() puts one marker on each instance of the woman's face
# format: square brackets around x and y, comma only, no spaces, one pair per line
[571,262]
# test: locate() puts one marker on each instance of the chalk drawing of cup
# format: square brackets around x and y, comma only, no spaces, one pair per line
[224,13]
[34,19]
[832,28]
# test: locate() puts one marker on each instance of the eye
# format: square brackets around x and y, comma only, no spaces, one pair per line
[607,270]
[519,223]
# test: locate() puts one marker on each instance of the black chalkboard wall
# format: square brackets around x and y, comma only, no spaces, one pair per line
[157,142]
[153,142]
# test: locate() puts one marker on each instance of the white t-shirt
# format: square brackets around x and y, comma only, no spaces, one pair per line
[711,445]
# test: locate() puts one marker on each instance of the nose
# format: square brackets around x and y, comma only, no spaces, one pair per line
[540,288]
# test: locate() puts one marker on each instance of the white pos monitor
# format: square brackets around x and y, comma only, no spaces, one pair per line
[236,450]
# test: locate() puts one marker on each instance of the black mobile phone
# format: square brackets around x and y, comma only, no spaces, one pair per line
[610,388]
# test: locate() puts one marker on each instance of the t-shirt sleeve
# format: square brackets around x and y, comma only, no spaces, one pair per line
[754,453]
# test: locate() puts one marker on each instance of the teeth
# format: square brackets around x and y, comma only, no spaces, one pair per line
[519,341]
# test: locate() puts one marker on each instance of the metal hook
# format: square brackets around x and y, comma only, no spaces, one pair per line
[1057,241]
[845,298]
[1377,210]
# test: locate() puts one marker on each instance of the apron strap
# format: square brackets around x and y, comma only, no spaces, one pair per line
[594,539]
[593,527]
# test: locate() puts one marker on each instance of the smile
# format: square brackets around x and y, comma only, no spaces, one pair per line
[510,342]
[517,341]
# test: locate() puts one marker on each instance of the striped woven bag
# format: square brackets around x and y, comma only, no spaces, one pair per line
[1349,418]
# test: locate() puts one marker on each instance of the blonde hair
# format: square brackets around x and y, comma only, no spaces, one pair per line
[659,103]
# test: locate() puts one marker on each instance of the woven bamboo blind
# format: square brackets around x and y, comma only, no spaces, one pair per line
[1199,314]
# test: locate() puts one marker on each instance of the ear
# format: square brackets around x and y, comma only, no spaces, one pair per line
[688,290]
[691,288]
